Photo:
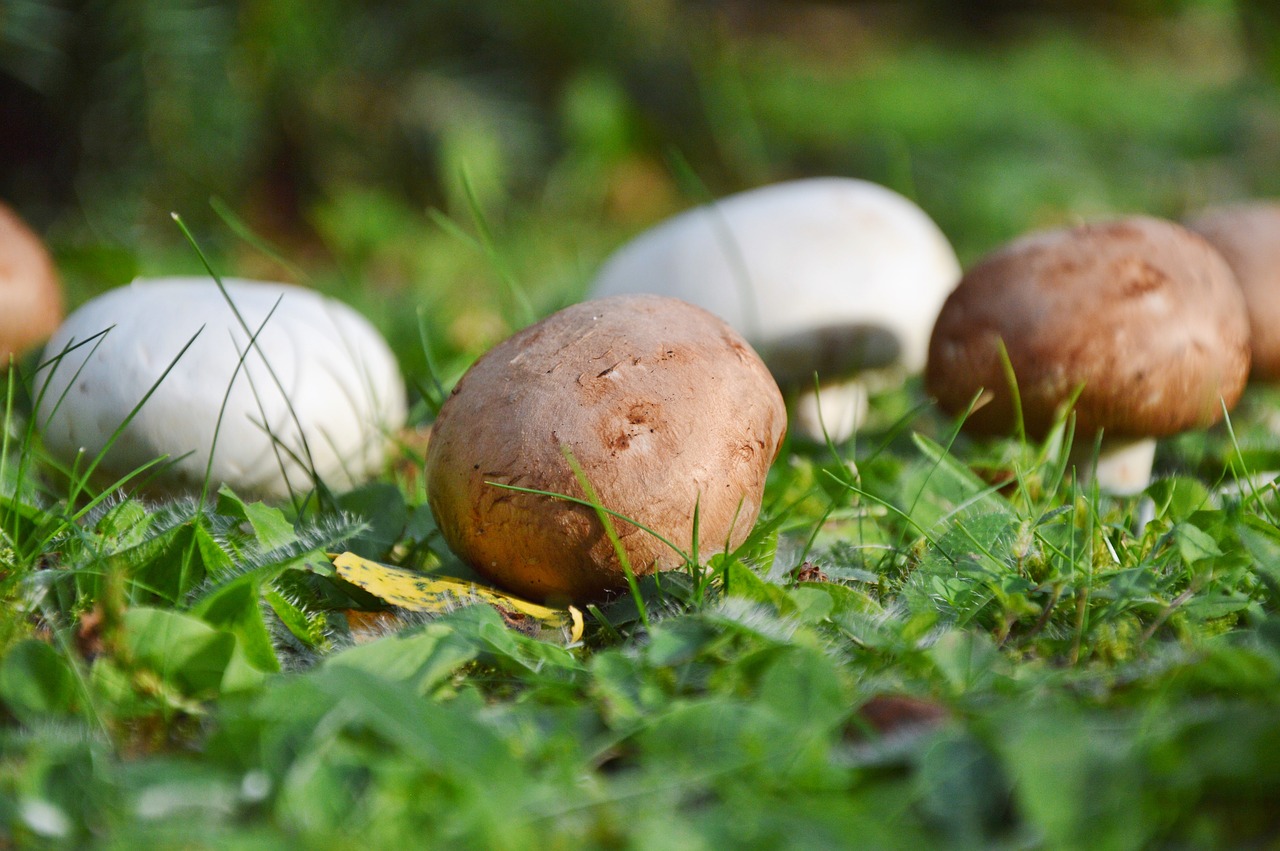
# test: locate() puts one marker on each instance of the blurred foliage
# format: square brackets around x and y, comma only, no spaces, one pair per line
[279,103]
[123,110]
[340,133]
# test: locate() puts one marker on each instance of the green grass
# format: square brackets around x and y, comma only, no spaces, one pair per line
[929,642]
[974,665]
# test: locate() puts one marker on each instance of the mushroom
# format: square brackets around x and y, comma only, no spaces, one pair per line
[1140,316]
[30,295]
[667,411]
[318,390]
[1248,236]
[833,276]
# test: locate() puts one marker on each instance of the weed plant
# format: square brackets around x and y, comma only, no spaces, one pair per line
[906,652]
[926,642]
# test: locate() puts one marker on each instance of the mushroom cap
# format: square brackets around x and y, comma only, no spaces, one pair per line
[1140,314]
[1248,236]
[664,406]
[832,275]
[30,295]
[339,389]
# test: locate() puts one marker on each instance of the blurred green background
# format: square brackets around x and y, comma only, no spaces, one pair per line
[429,154]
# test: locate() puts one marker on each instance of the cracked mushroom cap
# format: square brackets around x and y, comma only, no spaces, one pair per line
[1248,236]
[30,295]
[828,274]
[664,406]
[1140,314]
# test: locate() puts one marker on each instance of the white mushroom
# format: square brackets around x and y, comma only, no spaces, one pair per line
[318,390]
[833,276]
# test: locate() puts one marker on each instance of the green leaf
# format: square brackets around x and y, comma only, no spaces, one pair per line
[1075,776]
[679,640]
[308,713]
[967,660]
[1176,498]
[235,607]
[36,680]
[626,688]
[421,524]
[949,473]
[214,561]
[1195,544]
[741,581]
[19,519]
[813,605]
[168,567]
[843,598]
[807,687]
[1211,606]
[270,526]
[713,735]
[481,627]
[1261,541]
[423,657]
[383,508]
[197,658]
[962,787]
[112,686]
[307,628]
[971,566]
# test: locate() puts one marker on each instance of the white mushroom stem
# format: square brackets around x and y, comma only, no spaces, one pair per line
[1247,486]
[1122,466]
[833,410]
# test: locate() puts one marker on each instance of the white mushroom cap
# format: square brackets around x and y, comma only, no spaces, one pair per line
[339,389]
[829,275]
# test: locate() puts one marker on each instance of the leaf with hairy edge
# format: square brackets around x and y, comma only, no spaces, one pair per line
[269,524]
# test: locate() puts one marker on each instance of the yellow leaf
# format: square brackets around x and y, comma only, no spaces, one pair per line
[418,593]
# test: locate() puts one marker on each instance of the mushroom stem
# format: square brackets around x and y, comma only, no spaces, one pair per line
[840,407]
[1122,466]
[1247,486]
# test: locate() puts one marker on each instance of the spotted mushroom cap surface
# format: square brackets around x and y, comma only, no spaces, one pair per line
[30,294]
[1248,236]
[1140,315]
[664,407]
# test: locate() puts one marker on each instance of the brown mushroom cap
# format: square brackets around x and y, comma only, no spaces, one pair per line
[30,296]
[662,404]
[1248,235]
[1140,314]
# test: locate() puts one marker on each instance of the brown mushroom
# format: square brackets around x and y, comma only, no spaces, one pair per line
[30,296]
[1248,235]
[664,407]
[1140,316]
